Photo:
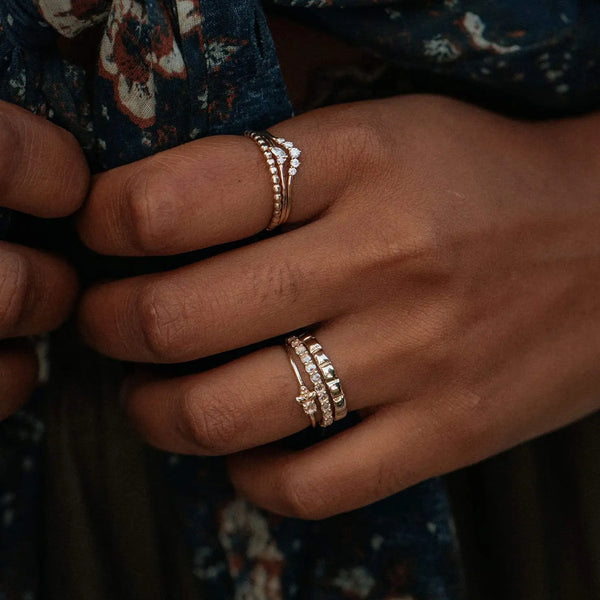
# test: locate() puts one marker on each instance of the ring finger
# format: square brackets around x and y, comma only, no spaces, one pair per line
[250,402]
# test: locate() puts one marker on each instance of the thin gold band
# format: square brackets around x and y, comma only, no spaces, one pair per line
[306,399]
[282,158]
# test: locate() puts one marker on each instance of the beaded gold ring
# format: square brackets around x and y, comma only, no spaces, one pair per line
[282,158]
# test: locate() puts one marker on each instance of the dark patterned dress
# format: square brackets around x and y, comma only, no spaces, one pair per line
[171,71]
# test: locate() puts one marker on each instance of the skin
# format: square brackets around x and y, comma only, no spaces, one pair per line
[447,259]
[42,173]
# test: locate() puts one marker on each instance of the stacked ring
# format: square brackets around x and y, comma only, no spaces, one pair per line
[306,399]
[329,376]
[327,389]
[282,158]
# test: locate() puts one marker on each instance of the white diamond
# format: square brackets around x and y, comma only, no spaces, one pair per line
[293,171]
[288,144]
[295,153]
[295,343]
[319,388]
[279,152]
[295,162]
[310,367]
[280,140]
[316,378]
[306,359]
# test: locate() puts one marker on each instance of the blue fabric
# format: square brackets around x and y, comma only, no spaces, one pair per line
[170,71]
[540,54]
[21,476]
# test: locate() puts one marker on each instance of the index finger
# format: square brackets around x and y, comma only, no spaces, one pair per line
[218,189]
[43,171]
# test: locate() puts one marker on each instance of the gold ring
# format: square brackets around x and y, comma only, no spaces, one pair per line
[306,399]
[327,388]
[327,371]
[282,158]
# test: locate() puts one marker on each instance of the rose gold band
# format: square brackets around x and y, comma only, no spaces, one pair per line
[283,161]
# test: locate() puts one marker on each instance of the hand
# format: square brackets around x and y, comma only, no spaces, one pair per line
[448,259]
[43,173]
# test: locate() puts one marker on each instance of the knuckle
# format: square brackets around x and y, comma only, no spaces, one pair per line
[161,316]
[392,478]
[149,202]
[302,498]
[360,140]
[208,422]
[357,141]
[16,291]
[280,279]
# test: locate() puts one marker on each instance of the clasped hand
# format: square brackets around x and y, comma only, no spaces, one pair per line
[447,259]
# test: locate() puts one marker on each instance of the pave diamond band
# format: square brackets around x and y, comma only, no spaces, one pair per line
[326,397]
[282,159]
[327,371]
[306,398]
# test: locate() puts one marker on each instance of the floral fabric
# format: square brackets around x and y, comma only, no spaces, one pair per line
[170,71]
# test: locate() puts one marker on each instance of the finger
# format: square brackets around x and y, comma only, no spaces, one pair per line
[42,168]
[218,189]
[247,402]
[225,302]
[18,373]
[37,291]
[394,448]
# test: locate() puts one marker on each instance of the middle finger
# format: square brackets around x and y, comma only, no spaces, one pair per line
[228,301]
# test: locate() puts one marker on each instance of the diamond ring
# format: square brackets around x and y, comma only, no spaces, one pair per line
[283,160]
[327,396]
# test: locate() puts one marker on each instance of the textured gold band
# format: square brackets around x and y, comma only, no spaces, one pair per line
[327,371]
